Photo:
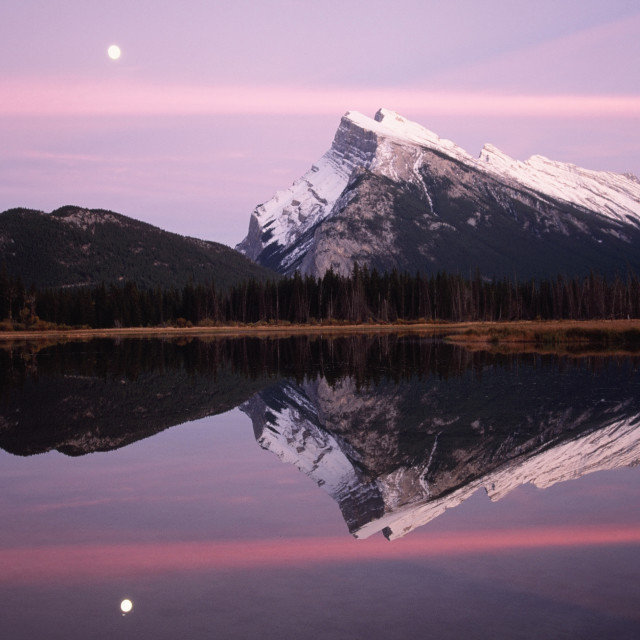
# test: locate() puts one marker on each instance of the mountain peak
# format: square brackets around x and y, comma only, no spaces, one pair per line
[493,155]
[391,125]
[86,218]
[383,113]
[390,193]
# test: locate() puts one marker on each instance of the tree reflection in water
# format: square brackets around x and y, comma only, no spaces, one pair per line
[395,428]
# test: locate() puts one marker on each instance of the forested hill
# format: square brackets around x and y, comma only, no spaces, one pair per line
[73,246]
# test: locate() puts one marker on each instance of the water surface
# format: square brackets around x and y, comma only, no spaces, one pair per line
[356,487]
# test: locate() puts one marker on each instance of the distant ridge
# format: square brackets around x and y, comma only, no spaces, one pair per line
[73,246]
[391,194]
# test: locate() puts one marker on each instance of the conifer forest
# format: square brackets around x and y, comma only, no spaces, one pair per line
[364,296]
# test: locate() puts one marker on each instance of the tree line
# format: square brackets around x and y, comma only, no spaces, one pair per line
[364,296]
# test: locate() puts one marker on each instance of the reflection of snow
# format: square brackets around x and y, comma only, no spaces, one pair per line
[296,439]
[333,435]
[612,447]
[425,470]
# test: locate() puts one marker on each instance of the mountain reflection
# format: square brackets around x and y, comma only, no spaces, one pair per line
[395,428]
[83,397]
[396,453]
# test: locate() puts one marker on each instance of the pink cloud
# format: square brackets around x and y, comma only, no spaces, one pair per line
[82,562]
[122,98]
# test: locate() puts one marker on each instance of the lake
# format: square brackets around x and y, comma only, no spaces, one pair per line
[355,487]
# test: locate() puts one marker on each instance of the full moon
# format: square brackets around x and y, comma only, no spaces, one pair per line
[114,51]
[126,605]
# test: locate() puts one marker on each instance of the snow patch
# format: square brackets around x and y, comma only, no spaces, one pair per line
[394,147]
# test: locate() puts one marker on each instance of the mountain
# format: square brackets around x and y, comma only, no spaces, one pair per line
[396,454]
[391,194]
[73,246]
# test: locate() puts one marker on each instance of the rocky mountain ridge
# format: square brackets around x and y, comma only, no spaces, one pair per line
[390,193]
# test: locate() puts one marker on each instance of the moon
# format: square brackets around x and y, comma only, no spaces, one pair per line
[126,605]
[114,51]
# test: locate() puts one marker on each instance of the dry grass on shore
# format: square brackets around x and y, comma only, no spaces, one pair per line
[558,336]
[552,335]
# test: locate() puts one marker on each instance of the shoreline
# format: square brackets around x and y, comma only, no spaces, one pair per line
[222,331]
[475,334]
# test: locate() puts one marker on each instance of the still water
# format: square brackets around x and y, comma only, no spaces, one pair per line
[304,488]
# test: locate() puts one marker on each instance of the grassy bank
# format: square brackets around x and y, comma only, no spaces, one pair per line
[557,335]
[543,335]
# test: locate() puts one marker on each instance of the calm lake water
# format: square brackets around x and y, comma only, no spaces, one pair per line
[359,487]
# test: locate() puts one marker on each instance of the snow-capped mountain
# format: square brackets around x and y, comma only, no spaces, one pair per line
[390,193]
[394,456]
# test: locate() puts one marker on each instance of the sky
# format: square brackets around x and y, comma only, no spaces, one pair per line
[214,106]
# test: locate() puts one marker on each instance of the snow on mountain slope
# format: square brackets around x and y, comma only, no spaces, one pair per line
[285,229]
[291,213]
[613,195]
[613,447]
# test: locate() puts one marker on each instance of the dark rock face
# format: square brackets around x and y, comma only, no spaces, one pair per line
[252,244]
[353,144]
[389,194]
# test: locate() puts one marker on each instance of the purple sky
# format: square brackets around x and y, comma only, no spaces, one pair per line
[214,106]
